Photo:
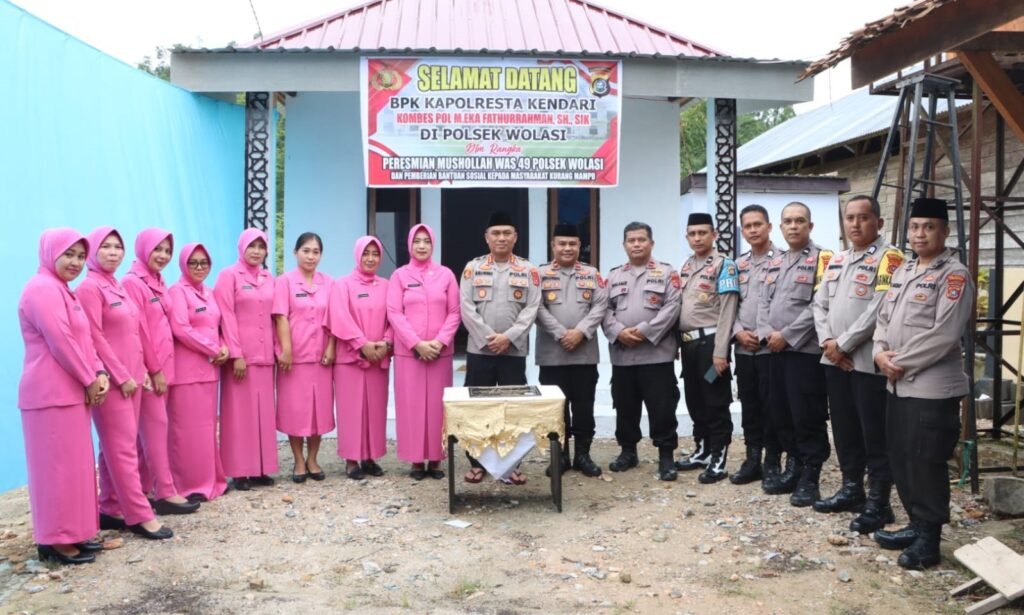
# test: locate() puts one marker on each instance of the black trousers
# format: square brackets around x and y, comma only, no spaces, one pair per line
[579,385]
[856,404]
[656,386]
[799,405]
[921,435]
[707,402]
[484,370]
[752,378]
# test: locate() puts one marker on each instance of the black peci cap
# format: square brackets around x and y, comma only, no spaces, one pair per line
[699,218]
[500,218]
[566,230]
[923,207]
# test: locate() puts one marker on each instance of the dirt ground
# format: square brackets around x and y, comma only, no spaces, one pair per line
[627,544]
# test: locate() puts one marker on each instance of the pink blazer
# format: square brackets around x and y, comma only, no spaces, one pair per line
[305,306]
[114,320]
[245,303]
[195,321]
[423,304]
[151,299]
[358,314]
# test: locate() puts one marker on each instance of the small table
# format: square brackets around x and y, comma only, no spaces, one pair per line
[496,417]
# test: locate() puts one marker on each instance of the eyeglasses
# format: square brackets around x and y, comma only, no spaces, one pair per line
[198,264]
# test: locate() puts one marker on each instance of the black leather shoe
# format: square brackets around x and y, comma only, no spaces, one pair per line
[849,497]
[355,473]
[585,465]
[163,507]
[565,463]
[161,534]
[436,473]
[111,523]
[49,554]
[417,474]
[197,497]
[806,492]
[897,539]
[786,481]
[89,546]
[750,470]
[627,459]
[242,483]
[924,551]
[698,460]
[370,467]
[716,466]
[317,476]
[262,481]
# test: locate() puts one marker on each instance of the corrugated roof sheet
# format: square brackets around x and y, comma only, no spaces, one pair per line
[851,118]
[483,26]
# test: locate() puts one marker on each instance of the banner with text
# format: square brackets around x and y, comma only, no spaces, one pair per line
[479,122]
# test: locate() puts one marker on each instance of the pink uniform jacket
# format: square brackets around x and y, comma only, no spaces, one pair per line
[305,306]
[195,321]
[147,290]
[245,295]
[357,313]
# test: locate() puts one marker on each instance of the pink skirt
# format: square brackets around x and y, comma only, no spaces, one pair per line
[61,474]
[248,430]
[419,411]
[362,401]
[192,439]
[305,400]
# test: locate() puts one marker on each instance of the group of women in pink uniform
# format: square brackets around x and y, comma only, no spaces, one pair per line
[188,385]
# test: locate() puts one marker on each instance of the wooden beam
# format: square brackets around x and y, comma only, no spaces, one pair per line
[995,41]
[944,28]
[997,87]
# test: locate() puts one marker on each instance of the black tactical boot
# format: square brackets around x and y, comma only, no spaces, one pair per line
[698,460]
[787,480]
[666,464]
[627,459]
[877,512]
[716,466]
[771,471]
[849,497]
[750,469]
[806,492]
[582,461]
[924,551]
[897,539]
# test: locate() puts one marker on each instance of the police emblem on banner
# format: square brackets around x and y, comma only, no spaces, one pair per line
[386,79]
[599,84]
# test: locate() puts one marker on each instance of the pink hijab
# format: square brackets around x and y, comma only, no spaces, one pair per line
[248,236]
[357,253]
[52,244]
[429,264]
[186,253]
[96,239]
[145,242]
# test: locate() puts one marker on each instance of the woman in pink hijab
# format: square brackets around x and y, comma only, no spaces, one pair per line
[248,432]
[423,310]
[116,334]
[199,351]
[145,286]
[305,378]
[357,317]
[61,378]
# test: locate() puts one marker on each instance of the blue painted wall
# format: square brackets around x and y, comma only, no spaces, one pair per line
[88,140]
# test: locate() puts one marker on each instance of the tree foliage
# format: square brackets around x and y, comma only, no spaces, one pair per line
[693,122]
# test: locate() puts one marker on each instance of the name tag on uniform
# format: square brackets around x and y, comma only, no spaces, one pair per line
[200,309]
[115,304]
[362,295]
[300,295]
[154,299]
[246,286]
[619,291]
[414,285]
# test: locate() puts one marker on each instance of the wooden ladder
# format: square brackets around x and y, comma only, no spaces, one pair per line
[998,566]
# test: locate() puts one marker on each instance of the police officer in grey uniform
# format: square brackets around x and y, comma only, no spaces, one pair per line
[573,302]
[640,324]
[709,298]
[786,327]
[845,311]
[499,297]
[917,348]
[752,359]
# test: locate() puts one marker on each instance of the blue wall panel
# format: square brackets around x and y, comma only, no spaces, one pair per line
[88,140]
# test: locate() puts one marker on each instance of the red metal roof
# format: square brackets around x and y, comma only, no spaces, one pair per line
[483,26]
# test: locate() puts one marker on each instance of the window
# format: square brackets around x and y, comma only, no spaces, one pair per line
[391,212]
[579,207]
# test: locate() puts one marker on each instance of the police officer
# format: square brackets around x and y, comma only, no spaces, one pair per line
[752,359]
[785,326]
[917,348]
[499,296]
[640,324]
[573,302]
[709,298]
[845,311]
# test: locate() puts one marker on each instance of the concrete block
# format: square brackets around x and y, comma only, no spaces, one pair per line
[1005,494]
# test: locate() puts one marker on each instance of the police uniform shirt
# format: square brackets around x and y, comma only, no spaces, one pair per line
[752,270]
[787,296]
[646,297]
[571,298]
[499,298]
[709,298]
[846,305]
[922,318]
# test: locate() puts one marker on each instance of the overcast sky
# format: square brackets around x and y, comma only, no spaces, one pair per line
[785,29]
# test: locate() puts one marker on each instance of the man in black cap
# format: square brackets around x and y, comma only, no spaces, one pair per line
[499,296]
[710,298]
[917,348]
[573,302]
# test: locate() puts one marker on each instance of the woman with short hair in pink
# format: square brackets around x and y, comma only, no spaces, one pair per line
[116,334]
[199,351]
[248,431]
[357,317]
[145,286]
[423,310]
[61,378]
[305,378]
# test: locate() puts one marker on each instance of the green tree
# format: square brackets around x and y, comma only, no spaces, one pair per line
[693,122]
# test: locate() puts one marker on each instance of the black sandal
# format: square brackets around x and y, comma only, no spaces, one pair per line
[355,473]
[370,467]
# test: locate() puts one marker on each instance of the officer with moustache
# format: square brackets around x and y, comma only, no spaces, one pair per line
[640,324]
[845,311]
[709,298]
[573,302]
[499,297]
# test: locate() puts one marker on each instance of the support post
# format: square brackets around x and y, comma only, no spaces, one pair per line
[721,155]
[258,161]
